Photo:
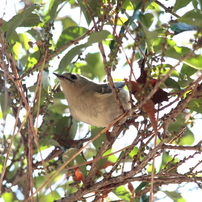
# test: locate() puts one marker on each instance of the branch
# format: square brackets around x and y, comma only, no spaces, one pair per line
[168,10]
[174,178]
[55,53]
[182,105]
[197,147]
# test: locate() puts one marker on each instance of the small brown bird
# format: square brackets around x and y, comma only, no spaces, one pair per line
[90,102]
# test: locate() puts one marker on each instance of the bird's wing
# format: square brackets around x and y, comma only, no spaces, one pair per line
[105,88]
[119,85]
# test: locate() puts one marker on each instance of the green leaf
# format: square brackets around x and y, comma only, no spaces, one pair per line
[85,11]
[94,67]
[68,154]
[24,39]
[35,34]
[133,152]
[180,121]
[58,107]
[197,4]
[31,20]
[105,162]
[147,19]
[187,70]
[52,13]
[141,186]
[94,37]
[1,114]
[45,81]
[79,160]
[4,106]
[150,36]
[39,180]
[18,19]
[48,125]
[69,57]
[175,196]
[171,83]
[59,95]
[32,60]
[195,62]
[111,158]
[168,161]
[122,193]
[180,4]
[95,6]
[65,128]
[128,5]
[100,140]
[70,34]
[178,53]
[98,37]
[48,141]
[195,105]
[192,17]
[54,195]
[17,50]
[187,138]
[68,22]
[8,197]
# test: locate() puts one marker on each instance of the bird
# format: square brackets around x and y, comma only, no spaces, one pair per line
[90,102]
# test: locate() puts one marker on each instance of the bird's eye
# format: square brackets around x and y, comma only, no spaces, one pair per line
[73,77]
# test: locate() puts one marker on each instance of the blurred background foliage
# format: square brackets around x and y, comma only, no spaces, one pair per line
[93,38]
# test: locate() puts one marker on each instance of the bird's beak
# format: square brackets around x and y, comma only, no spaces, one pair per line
[58,75]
